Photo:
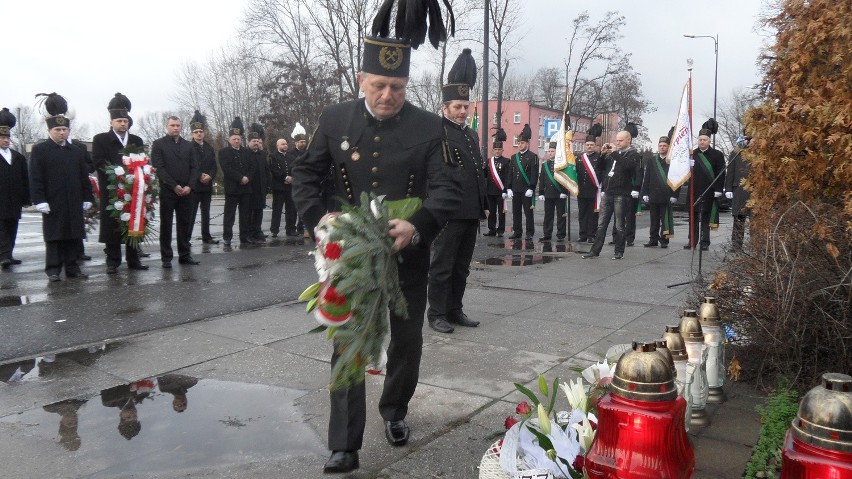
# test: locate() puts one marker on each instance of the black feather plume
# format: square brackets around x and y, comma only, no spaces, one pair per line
[596,130]
[500,135]
[381,22]
[526,133]
[451,19]
[257,128]
[711,125]
[237,123]
[197,117]
[7,119]
[671,133]
[631,128]
[53,103]
[119,102]
[415,19]
[464,69]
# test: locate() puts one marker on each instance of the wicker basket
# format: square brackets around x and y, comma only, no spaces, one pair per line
[489,467]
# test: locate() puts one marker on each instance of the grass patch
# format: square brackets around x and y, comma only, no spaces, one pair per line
[776,415]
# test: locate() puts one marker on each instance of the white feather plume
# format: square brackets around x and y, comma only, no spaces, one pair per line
[298,130]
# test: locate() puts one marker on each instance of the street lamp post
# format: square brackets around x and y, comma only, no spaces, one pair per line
[716,78]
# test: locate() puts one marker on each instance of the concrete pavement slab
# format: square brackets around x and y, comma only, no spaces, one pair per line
[583,311]
[262,326]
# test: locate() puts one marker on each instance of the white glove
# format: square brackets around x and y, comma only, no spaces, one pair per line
[529,194]
[717,194]
[646,199]
[611,172]
[692,162]
[44,208]
[562,196]
[540,197]
[509,194]
[505,196]
[86,205]
[673,200]
[729,195]
[634,194]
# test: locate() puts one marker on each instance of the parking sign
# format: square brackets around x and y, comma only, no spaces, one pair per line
[551,127]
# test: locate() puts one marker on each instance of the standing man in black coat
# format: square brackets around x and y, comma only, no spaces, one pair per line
[384,145]
[618,187]
[300,144]
[177,168]
[495,190]
[14,189]
[202,187]
[708,181]
[554,196]
[237,170]
[259,181]
[280,169]
[659,196]
[589,176]
[61,191]
[452,250]
[738,170]
[522,177]
[106,153]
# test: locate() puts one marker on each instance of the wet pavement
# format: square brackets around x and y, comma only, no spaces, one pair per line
[210,371]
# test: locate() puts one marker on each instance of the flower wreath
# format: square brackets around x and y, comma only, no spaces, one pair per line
[133,192]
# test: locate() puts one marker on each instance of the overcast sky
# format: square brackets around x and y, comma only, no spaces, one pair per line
[88,50]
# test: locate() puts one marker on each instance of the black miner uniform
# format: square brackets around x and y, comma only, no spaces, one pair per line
[107,153]
[703,174]
[14,195]
[656,187]
[552,202]
[259,184]
[494,194]
[176,167]
[280,167]
[522,206]
[235,165]
[202,193]
[587,196]
[398,157]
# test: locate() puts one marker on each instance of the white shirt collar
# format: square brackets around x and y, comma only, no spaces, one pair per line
[6,153]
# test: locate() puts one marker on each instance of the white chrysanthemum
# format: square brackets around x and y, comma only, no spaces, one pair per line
[119,170]
[125,217]
[146,169]
[129,179]
[118,205]
[127,197]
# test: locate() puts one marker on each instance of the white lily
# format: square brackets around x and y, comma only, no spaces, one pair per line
[586,433]
[598,371]
[576,394]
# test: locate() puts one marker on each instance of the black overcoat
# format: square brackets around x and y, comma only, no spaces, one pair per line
[655,183]
[107,152]
[260,179]
[515,180]
[585,182]
[280,166]
[738,170]
[545,186]
[205,157]
[704,181]
[175,163]
[501,166]
[463,146]
[59,176]
[14,186]
[236,164]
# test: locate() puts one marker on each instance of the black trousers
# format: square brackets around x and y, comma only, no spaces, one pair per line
[612,206]
[738,232]
[449,268]
[8,233]
[283,200]
[349,406]
[256,227]
[202,201]
[62,253]
[557,205]
[657,212]
[588,218]
[496,215]
[232,202]
[180,208]
[701,226]
[522,208]
[630,220]
[113,254]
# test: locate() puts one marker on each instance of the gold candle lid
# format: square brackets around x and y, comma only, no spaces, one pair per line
[825,414]
[708,312]
[644,374]
[690,327]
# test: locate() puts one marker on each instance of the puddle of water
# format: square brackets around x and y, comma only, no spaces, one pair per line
[181,421]
[14,300]
[535,246]
[519,260]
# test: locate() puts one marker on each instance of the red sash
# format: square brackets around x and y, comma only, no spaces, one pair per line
[587,164]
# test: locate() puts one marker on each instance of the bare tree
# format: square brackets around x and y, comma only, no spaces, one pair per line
[592,46]
[29,128]
[624,96]
[152,124]
[548,87]
[504,26]
[731,111]
[424,91]
[518,86]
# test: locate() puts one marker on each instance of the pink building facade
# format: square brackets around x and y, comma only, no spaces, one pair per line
[516,113]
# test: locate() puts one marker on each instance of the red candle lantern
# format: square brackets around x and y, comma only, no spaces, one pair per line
[641,432]
[819,443]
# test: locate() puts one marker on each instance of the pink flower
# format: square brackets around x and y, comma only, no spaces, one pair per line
[523,408]
[509,422]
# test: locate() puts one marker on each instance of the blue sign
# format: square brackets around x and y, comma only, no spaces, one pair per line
[551,127]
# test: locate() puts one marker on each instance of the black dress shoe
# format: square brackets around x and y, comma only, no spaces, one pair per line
[341,461]
[617,256]
[210,241]
[188,260]
[462,320]
[590,255]
[5,263]
[138,266]
[500,234]
[650,244]
[590,240]
[490,233]
[274,235]
[686,246]
[581,240]
[705,247]
[54,278]
[441,325]
[396,432]
[529,238]
[227,244]
[543,240]
[80,275]
[17,261]
[143,254]
[664,245]
[292,233]
[560,240]
[515,236]
[630,244]
[85,257]
[111,270]
[167,265]
[611,242]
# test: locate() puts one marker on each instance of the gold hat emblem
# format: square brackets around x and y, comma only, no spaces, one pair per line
[390,57]
[235,131]
[60,120]
[463,90]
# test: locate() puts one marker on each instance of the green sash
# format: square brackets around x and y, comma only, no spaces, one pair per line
[552,179]
[517,158]
[668,214]
[714,208]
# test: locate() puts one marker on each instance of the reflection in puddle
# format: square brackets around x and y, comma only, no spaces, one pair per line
[14,300]
[538,247]
[183,422]
[519,260]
